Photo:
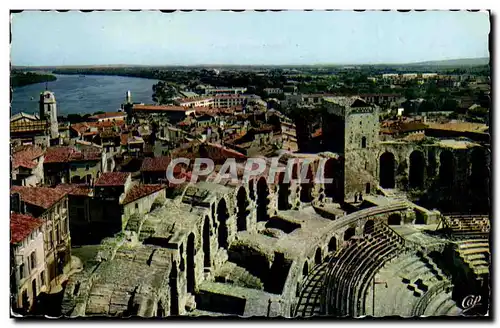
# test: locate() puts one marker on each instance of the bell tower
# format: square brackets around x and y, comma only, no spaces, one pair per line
[48,111]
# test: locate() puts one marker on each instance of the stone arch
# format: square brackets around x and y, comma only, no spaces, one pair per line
[387,170]
[350,232]
[174,293]
[368,227]
[417,169]
[182,262]
[262,200]
[446,168]
[332,244]
[283,193]
[306,187]
[160,312]
[479,181]
[212,211]
[222,217]
[330,166]
[317,256]
[432,162]
[394,219]
[479,165]
[242,211]
[206,243]
[251,189]
[190,250]
[419,217]
[305,268]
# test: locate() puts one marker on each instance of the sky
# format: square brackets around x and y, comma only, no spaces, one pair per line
[245,38]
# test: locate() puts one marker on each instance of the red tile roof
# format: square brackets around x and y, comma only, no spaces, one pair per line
[86,155]
[155,164]
[75,189]
[80,127]
[24,156]
[112,179]
[58,154]
[65,154]
[43,197]
[21,225]
[139,191]
[217,152]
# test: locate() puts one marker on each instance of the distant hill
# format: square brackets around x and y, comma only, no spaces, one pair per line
[455,62]
[445,64]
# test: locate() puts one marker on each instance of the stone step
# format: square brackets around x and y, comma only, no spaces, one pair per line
[473,245]
[449,307]
[234,274]
[435,303]
[474,251]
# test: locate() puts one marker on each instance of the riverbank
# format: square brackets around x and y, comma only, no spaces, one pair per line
[124,72]
[21,79]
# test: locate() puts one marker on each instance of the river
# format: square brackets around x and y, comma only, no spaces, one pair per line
[87,94]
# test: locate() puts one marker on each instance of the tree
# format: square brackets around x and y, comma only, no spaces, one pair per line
[74,118]
[449,105]
[477,112]
[163,93]
[427,106]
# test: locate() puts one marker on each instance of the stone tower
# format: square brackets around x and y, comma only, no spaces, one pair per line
[351,129]
[48,111]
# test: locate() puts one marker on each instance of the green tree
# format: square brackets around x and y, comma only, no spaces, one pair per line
[163,93]
[449,105]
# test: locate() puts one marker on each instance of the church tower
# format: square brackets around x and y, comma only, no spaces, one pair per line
[48,111]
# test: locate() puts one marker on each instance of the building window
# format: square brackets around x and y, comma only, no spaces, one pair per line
[42,279]
[21,271]
[33,260]
[58,235]
[24,299]
[136,206]
[51,239]
[363,142]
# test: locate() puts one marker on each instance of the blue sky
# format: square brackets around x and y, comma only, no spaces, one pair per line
[211,37]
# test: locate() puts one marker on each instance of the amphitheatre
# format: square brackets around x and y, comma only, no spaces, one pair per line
[360,246]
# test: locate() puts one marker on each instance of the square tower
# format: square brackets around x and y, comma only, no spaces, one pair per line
[48,112]
[351,129]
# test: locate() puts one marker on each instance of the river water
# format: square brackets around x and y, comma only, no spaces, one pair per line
[88,94]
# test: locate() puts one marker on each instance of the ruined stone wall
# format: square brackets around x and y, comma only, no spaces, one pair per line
[140,206]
